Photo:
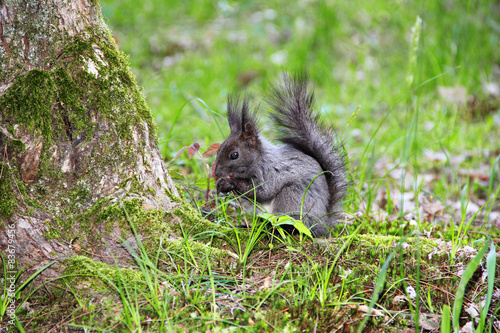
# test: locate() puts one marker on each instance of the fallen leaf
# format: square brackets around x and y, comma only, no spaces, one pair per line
[467,328]
[432,207]
[491,88]
[454,95]
[482,175]
[411,292]
[399,299]
[366,309]
[429,322]
[268,281]
[435,156]
[472,311]
[472,208]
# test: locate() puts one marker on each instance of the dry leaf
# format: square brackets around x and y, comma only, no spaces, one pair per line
[435,156]
[467,328]
[429,322]
[399,299]
[432,208]
[268,281]
[454,95]
[411,292]
[365,309]
[472,311]
[491,88]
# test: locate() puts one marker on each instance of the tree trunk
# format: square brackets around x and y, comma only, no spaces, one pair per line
[78,143]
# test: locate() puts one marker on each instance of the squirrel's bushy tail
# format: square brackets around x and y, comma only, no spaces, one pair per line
[298,126]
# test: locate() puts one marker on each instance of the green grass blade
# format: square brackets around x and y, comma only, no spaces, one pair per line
[34,275]
[459,297]
[212,285]
[351,119]
[212,113]
[19,326]
[379,285]
[445,320]
[490,269]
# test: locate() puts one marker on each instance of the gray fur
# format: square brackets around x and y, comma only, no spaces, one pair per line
[277,176]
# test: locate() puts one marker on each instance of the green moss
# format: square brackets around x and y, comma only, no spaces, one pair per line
[114,81]
[88,270]
[194,223]
[151,190]
[387,242]
[152,224]
[15,146]
[7,197]
[59,101]
[185,248]
[72,109]
[170,195]
[135,185]
[29,101]
[12,188]
[150,221]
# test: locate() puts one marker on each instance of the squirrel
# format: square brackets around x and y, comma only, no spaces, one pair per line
[310,159]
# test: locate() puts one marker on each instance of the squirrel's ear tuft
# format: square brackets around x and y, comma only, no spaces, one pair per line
[241,119]
[250,131]
[234,113]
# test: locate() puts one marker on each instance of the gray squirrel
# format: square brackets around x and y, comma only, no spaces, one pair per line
[277,176]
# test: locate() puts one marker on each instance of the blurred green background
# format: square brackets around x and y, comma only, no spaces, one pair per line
[425,68]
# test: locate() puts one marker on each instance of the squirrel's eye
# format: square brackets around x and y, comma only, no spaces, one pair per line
[234,155]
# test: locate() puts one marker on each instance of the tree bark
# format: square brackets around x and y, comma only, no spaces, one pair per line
[77,140]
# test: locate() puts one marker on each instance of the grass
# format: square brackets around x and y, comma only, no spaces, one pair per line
[406,83]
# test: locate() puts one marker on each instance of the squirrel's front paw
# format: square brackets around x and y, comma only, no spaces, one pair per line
[225,185]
